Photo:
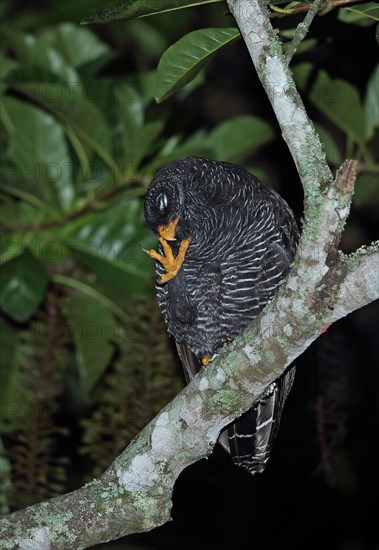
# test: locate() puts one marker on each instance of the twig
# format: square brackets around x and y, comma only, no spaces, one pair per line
[87,207]
[326,7]
[302,30]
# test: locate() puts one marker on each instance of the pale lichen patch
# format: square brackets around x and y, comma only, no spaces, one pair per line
[40,540]
[220,375]
[203,384]
[141,473]
[343,212]
[190,410]
[251,353]
[165,439]
[287,329]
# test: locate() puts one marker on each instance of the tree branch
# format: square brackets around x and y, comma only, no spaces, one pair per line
[302,30]
[266,52]
[323,286]
[326,7]
[134,495]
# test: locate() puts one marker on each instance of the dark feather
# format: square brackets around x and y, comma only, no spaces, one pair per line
[244,238]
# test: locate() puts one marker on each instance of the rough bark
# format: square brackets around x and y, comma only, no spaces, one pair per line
[134,494]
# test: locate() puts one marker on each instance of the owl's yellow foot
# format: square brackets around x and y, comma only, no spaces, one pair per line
[206,359]
[169,262]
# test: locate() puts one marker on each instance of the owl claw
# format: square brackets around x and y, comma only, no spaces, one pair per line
[169,262]
[206,359]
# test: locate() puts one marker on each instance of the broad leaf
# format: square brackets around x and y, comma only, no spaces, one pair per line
[371,104]
[75,110]
[6,65]
[40,153]
[30,50]
[130,101]
[109,243]
[184,59]
[239,137]
[23,282]
[174,149]
[134,140]
[77,45]
[139,142]
[144,82]
[333,154]
[131,9]
[301,73]
[340,102]
[360,14]
[25,73]
[149,41]
[94,332]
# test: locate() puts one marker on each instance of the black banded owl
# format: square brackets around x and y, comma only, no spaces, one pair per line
[226,242]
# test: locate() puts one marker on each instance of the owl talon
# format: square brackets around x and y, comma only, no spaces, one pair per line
[206,359]
[169,262]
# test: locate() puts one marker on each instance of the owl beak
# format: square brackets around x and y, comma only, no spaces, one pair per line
[168,231]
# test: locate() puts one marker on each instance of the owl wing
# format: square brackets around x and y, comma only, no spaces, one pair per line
[247,288]
[190,362]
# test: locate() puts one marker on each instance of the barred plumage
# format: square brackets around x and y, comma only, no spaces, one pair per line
[244,238]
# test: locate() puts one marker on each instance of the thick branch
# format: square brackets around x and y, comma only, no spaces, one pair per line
[134,495]
[265,50]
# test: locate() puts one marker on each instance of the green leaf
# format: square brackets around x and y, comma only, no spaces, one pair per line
[94,332]
[184,59]
[31,73]
[191,86]
[301,74]
[333,154]
[77,45]
[16,214]
[139,142]
[366,190]
[73,108]
[194,146]
[239,137]
[10,395]
[109,243]
[144,82]
[130,101]
[341,103]
[31,50]
[361,14]
[23,282]
[131,9]
[371,104]
[6,65]
[40,153]
[149,41]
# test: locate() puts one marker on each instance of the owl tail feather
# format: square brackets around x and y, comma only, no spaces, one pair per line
[250,438]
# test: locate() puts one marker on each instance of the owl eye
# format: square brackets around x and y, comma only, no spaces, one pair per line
[162,202]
